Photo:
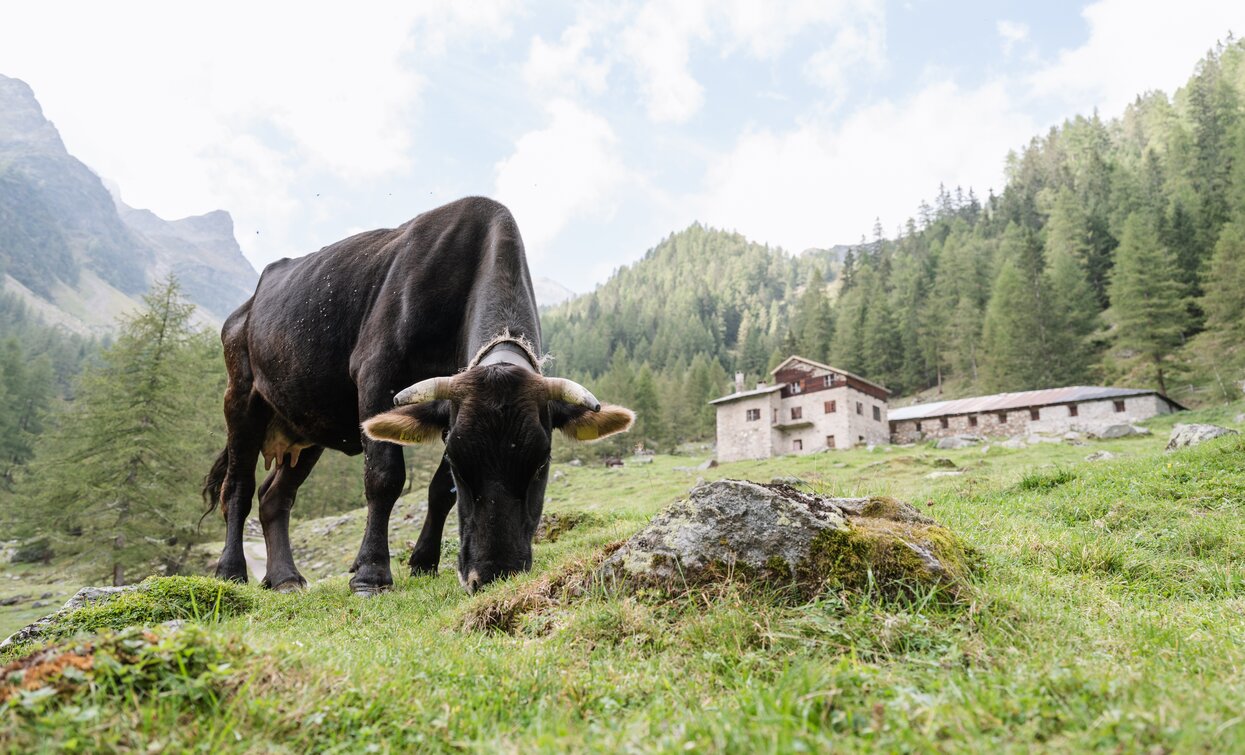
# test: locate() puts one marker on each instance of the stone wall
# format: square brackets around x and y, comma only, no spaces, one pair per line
[741,438]
[776,432]
[1054,419]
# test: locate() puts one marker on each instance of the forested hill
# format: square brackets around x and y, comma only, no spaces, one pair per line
[1114,253]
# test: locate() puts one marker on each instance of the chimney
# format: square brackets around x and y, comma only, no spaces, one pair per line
[760,385]
[739,382]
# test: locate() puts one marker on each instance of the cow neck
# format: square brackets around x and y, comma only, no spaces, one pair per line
[507,351]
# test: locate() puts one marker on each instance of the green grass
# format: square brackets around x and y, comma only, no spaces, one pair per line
[1107,615]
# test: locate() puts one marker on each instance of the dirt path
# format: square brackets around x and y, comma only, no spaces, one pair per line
[256,558]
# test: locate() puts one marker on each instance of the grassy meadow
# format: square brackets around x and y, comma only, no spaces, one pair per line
[1108,614]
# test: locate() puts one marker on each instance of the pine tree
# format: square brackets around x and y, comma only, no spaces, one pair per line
[1148,304]
[1008,353]
[117,479]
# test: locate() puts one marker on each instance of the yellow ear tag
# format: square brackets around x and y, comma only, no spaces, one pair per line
[587,432]
[413,437]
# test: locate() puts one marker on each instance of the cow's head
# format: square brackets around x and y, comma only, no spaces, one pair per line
[497,422]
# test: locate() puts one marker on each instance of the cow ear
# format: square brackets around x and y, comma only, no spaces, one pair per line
[409,425]
[581,423]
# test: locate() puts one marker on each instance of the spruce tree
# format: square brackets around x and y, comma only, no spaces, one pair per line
[1224,302]
[1148,303]
[116,481]
[1074,308]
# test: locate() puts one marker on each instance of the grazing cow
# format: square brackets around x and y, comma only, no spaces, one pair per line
[427,332]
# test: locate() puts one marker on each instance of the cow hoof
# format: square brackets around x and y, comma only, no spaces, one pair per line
[231,575]
[369,591]
[420,570]
[298,584]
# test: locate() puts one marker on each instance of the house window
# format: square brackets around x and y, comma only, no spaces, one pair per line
[1072,410]
[1002,418]
[754,415]
[829,381]
[797,412]
[1119,405]
[1035,414]
[877,414]
[797,445]
[829,440]
[832,407]
[860,439]
[860,408]
[797,387]
[918,427]
[972,420]
[943,423]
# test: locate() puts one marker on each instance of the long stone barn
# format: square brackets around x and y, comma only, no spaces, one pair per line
[1055,411]
[809,407]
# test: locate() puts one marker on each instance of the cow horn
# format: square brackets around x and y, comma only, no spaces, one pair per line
[568,391]
[431,389]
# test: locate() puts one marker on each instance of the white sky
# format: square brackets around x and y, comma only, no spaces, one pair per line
[604,126]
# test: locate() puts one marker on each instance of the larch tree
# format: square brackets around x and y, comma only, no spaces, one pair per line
[117,479]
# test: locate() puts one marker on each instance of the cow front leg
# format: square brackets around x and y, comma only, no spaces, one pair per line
[383,477]
[441,498]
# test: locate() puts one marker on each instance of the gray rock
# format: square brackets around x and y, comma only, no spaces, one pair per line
[1100,456]
[786,481]
[707,464]
[731,527]
[559,475]
[1110,432]
[1184,436]
[1239,419]
[575,463]
[957,441]
[85,596]
[1035,439]
[1014,443]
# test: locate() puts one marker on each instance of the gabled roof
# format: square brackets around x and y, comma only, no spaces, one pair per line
[748,394]
[819,365]
[1008,401]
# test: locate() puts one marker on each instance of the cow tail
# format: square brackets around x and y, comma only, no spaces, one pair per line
[213,483]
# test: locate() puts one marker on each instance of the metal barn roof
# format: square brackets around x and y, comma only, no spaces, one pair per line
[748,394]
[1008,401]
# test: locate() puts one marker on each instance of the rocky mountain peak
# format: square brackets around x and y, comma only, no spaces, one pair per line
[22,123]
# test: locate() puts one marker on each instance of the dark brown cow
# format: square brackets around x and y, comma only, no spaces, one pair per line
[438,317]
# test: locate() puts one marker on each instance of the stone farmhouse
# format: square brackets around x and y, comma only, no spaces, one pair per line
[1055,411]
[809,407]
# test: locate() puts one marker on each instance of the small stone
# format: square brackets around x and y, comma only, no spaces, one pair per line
[38,604]
[1184,436]
[45,596]
[956,442]
[559,475]
[1100,456]
[1014,443]
[1111,432]
[944,473]
[1239,419]
[575,463]
[943,463]
[707,464]
[786,481]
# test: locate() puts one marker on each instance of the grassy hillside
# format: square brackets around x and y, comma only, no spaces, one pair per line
[1108,614]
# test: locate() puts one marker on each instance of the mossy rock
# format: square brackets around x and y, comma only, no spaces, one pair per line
[779,536]
[154,601]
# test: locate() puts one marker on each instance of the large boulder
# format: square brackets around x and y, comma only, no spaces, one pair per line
[1111,432]
[955,442]
[781,536]
[1184,436]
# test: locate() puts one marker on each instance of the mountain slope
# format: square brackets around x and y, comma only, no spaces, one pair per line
[80,259]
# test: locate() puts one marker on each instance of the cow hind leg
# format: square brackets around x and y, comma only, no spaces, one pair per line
[427,552]
[383,477]
[276,499]
[247,420]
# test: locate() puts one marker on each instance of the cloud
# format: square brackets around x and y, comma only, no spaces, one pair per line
[1012,33]
[658,44]
[1134,47]
[565,67]
[245,106]
[823,182]
[570,169]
